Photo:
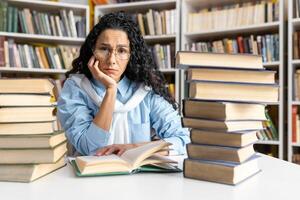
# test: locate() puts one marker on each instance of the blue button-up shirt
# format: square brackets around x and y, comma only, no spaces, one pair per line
[76,112]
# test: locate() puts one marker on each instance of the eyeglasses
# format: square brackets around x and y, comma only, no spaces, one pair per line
[122,53]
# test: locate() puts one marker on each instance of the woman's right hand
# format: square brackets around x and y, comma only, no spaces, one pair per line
[107,81]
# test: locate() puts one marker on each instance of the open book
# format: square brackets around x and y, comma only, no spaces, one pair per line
[140,159]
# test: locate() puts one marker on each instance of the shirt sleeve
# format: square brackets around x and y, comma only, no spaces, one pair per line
[76,117]
[167,123]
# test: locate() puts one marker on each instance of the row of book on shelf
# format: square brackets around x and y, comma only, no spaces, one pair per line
[61,56]
[26,20]
[36,56]
[265,45]
[232,16]
[164,55]
[269,132]
[32,143]
[114,1]
[225,108]
[155,22]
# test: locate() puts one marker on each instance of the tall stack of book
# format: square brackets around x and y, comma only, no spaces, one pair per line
[225,109]
[31,144]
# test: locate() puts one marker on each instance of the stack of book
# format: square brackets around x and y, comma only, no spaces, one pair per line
[31,144]
[225,109]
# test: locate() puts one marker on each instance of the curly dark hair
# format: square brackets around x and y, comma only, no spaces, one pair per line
[141,66]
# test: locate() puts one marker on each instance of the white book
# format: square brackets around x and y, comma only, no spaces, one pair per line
[239,16]
[72,23]
[173,24]
[168,23]
[270,12]
[47,20]
[6,54]
[158,23]
[28,20]
[16,56]
[27,56]
[57,22]
[150,22]
[53,27]
[66,22]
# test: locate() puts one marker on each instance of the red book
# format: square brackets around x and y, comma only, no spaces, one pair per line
[240,42]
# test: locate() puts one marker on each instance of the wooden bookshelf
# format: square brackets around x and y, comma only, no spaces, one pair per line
[26,38]
[189,6]
[143,7]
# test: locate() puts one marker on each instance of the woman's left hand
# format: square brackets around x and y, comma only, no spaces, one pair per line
[118,149]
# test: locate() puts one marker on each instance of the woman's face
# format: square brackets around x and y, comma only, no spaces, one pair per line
[112,49]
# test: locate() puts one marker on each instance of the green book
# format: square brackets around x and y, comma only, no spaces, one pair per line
[270,124]
[142,159]
[142,169]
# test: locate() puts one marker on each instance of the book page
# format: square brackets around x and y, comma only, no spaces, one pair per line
[157,159]
[96,160]
[136,155]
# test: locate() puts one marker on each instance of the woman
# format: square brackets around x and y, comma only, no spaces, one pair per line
[114,94]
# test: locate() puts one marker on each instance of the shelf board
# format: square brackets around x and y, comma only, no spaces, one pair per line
[297,103]
[266,27]
[172,70]
[296,144]
[31,38]
[296,22]
[142,6]
[32,70]
[268,142]
[296,62]
[271,64]
[160,38]
[273,104]
[47,5]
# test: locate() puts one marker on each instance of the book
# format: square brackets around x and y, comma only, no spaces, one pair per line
[129,162]
[29,128]
[230,139]
[26,114]
[232,75]
[221,125]
[223,110]
[26,100]
[221,172]
[220,153]
[26,86]
[29,156]
[225,91]
[28,172]
[218,60]
[32,141]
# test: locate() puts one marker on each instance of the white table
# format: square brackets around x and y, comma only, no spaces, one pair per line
[278,180]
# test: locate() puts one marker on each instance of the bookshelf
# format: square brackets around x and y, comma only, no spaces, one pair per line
[244,30]
[142,7]
[36,38]
[293,65]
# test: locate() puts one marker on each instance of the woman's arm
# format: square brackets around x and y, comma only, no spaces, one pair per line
[167,123]
[104,117]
